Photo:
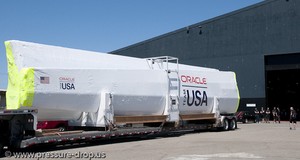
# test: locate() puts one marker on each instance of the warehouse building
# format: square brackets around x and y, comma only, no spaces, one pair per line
[260,43]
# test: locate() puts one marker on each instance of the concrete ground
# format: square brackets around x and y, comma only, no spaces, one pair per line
[250,141]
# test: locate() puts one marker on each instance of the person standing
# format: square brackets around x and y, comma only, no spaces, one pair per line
[256,115]
[262,114]
[274,114]
[293,118]
[278,114]
[268,112]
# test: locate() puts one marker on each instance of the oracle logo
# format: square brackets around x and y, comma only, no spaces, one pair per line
[192,79]
[66,79]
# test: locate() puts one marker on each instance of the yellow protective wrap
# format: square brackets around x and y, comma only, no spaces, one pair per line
[238,93]
[20,89]
[27,87]
[13,87]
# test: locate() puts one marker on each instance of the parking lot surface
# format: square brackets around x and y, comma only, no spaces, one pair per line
[250,141]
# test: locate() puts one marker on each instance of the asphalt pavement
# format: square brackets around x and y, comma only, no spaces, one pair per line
[250,141]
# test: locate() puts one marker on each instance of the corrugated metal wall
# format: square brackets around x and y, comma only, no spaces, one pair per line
[236,41]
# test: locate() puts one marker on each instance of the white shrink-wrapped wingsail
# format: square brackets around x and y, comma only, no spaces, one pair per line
[65,84]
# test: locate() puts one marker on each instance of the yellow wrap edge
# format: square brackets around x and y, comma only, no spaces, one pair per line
[13,86]
[20,87]
[238,93]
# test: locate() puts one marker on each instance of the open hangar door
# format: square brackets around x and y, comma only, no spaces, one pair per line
[282,73]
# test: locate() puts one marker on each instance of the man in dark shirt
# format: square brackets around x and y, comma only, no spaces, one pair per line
[278,114]
[256,115]
[293,119]
[274,113]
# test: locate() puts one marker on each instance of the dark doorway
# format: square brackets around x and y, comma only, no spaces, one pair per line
[283,82]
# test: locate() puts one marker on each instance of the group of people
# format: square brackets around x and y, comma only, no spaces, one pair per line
[264,116]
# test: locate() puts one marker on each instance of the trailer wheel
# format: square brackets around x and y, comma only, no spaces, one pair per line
[225,125]
[61,127]
[233,124]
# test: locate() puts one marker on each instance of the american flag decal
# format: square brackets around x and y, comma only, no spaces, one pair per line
[44,80]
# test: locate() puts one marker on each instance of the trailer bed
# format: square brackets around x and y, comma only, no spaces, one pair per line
[63,137]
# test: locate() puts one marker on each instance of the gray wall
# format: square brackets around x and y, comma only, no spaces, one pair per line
[236,41]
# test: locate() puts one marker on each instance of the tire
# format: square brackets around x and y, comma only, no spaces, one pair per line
[225,125]
[61,128]
[232,124]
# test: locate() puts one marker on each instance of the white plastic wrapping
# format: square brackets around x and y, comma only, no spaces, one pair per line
[64,83]
[35,55]
[135,92]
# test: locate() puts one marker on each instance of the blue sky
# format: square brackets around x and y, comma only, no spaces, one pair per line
[101,25]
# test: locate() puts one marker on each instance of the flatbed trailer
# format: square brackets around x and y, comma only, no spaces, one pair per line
[18,129]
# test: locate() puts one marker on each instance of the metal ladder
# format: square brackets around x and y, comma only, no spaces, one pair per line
[162,63]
